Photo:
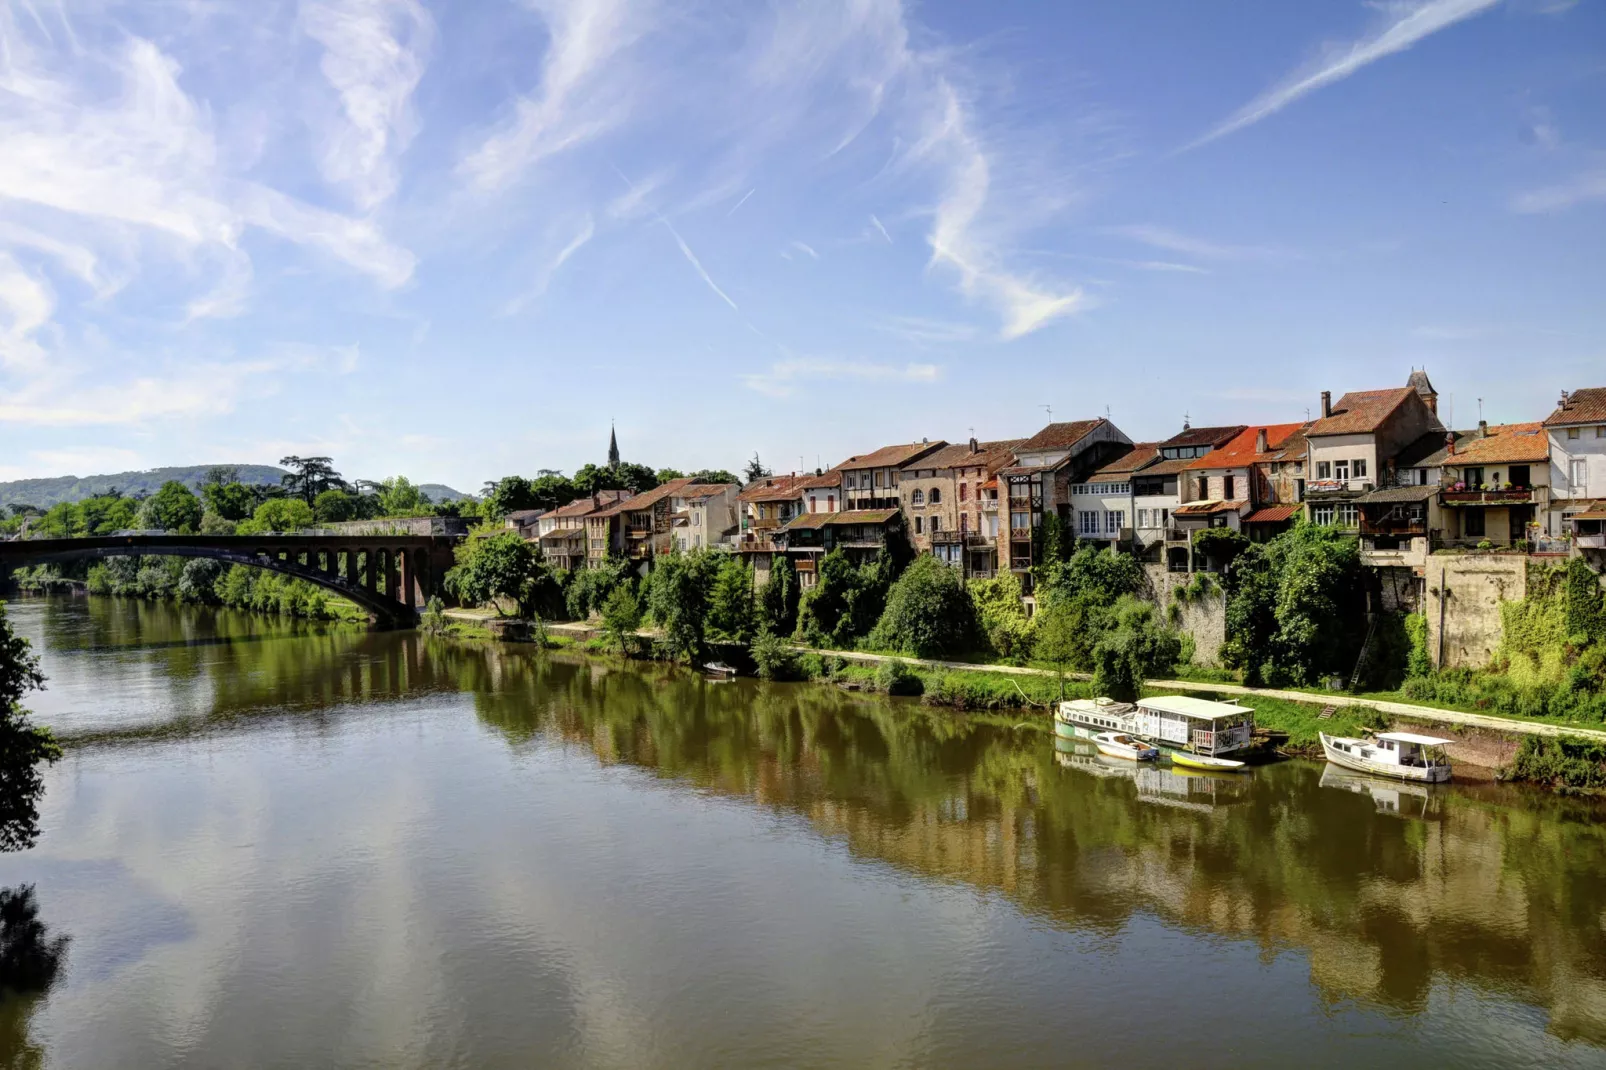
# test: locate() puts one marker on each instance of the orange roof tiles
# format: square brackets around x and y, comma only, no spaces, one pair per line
[891,456]
[958,455]
[773,489]
[1361,411]
[1058,436]
[1586,406]
[1272,514]
[1241,451]
[1122,467]
[1500,444]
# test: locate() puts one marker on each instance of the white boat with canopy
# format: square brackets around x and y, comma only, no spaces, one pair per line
[1401,755]
[1194,725]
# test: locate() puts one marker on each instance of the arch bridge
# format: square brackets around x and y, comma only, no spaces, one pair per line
[390,576]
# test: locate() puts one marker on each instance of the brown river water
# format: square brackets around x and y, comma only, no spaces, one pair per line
[276,844]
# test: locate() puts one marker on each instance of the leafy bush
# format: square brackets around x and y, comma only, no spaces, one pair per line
[495,565]
[1133,647]
[621,616]
[1097,576]
[677,597]
[845,604]
[732,614]
[1565,763]
[897,678]
[775,658]
[589,588]
[1416,660]
[277,514]
[433,620]
[1586,606]
[778,598]
[1221,546]
[1001,617]
[1296,607]
[929,613]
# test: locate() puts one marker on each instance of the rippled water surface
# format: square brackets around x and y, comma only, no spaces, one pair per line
[280,845]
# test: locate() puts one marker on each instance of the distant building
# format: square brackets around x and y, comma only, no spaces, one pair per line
[1577,433]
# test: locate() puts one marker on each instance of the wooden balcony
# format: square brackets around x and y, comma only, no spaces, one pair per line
[1514,496]
[1336,489]
[1396,527]
[764,524]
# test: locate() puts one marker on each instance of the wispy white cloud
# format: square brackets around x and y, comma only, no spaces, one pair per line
[544,278]
[697,264]
[785,376]
[1589,186]
[571,105]
[1407,24]
[806,249]
[26,305]
[920,330]
[741,202]
[1176,242]
[882,230]
[374,53]
[636,200]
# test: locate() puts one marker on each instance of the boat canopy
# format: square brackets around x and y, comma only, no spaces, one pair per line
[1412,737]
[1196,708]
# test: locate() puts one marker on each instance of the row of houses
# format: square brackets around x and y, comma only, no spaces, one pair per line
[1377,462]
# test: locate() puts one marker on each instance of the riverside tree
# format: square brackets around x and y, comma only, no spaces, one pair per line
[495,565]
[1296,607]
[24,747]
[173,508]
[928,612]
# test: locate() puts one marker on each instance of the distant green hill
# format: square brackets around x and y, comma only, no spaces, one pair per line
[44,493]
[47,492]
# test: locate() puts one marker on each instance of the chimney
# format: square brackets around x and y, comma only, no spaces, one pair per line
[973,447]
[1483,428]
[1562,404]
[1260,441]
[1327,404]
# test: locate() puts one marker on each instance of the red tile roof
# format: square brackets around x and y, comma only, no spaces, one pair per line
[1361,412]
[890,456]
[832,478]
[988,455]
[1272,514]
[1500,444]
[846,516]
[1586,406]
[1121,469]
[1203,436]
[1058,436]
[773,489]
[1208,508]
[1241,451]
[585,506]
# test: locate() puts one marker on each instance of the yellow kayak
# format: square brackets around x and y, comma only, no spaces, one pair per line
[1200,761]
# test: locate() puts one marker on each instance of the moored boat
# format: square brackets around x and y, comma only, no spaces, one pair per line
[718,668]
[1086,717]
[1401,755]
[1205,762]
[1121,745]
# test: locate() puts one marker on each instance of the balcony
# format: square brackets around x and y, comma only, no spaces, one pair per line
[1394,527]
[947,538]
[1413,556]
[1514,496]
[989,505]
[764,523]
[980,542]
[1020,564]
[1318,489]
[1178,536]
[1590,542]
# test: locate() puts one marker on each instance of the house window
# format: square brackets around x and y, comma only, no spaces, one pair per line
[936,524]
[1088,522]
[1519,475]
[1324,470]
[1114,521]
[920,525]
[936,495]
[1228,485]
[1020,521]
[1203,488]
[964,522]
[1358,466]
[1472,523]
[1573,433]
[964,492]
[1577,478]
[1341,471]
[830,503]
[1346,514]
[917,498]
[1600,430]
[1321,514]
[1473,477]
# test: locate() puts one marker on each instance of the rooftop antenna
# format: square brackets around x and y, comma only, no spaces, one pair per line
[1307,414]
[1480,410]
[1050,409]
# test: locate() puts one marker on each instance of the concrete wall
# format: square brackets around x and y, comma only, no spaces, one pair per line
[1462,601]
[1205,619]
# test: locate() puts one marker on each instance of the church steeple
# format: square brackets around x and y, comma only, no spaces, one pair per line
[613,448]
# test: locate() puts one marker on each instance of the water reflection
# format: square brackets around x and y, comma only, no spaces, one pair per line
[1392,896]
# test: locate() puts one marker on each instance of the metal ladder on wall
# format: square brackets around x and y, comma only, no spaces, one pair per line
[1366,651]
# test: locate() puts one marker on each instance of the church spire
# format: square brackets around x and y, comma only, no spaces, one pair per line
[613,448]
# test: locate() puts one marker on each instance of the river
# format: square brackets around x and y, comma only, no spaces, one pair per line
[279,844]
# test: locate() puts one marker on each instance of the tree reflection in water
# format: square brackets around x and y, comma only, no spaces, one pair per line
[30,961]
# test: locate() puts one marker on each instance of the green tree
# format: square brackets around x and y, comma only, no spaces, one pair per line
[623,476]
[510,494]
[677,597]
[846,601]
[549,490]
[621,616]
[1132,646]
[1099,576]
[1218,546]
[231,501]
[778,598]
[173,508]
[928,612]
[667,474]
[1061,639]
[309,477]
[23,745]
[399,496]
[1055,540]
[589,588]
[1001,616]
[732,615]
[755,470]
[712,475]
[278,514]
[334,506]
[1296,607]
[1586,613]
[495,565]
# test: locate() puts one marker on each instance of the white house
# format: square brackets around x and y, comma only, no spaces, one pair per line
[1577,431]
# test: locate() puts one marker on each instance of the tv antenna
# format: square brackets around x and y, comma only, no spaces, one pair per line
[1050,410]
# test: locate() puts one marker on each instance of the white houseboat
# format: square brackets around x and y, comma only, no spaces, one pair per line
[1401,755]
[1170,722]
[1084,718]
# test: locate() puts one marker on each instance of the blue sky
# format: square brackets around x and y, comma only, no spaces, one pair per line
[455,240]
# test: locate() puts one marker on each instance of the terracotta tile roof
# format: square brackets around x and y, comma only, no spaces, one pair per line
[1168,467]
[890,456]
[581,507]
[647,499]
[1204,436]
[563,533]
[1240,452]
[1392,495]
[1272,514]
[700,491]
[1500,444]
[1361,411]
[988,455]
[832,478]
[1058,436]
[1597,511]
[773,489]
[1586,406]
[1208,508]
[1121,469]
[846,516]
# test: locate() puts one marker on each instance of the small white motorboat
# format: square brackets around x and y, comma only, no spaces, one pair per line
[1401,755]
[1121,745]
[718,668]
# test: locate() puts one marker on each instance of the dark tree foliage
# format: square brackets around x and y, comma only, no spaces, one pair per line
[621,616]
[1132,646]
[1055,543]
[666,474]
[30,957]
[310,476]
[1099,576]
[712,475]
[334,506]
[732,614]
[23,746]
[928,612]
[508,495]
[1586,607]
[777,599]
[231,501]
[492,566]
[1219,546]
[678,598]
[589,588]
[622,476]
[845,603]
[174,508]
[755,470]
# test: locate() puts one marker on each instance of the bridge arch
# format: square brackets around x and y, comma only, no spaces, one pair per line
[403,571]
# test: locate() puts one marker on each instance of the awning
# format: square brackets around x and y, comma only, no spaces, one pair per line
[1272,514]
[1208,508]
[1412,737]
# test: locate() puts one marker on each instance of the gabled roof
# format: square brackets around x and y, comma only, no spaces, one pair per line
[988,455]
[586,506]
[1272,514]
[1203,436]
[518,515]
[1361,412]
[647,499]
[1210,507]
[1059,436]
[1167,466]
[1396,495]
[1500,444]
[773,489]
[1586,406]
[890,456]
[830,478]
[1240,452]
[699,491]
[1121,469]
